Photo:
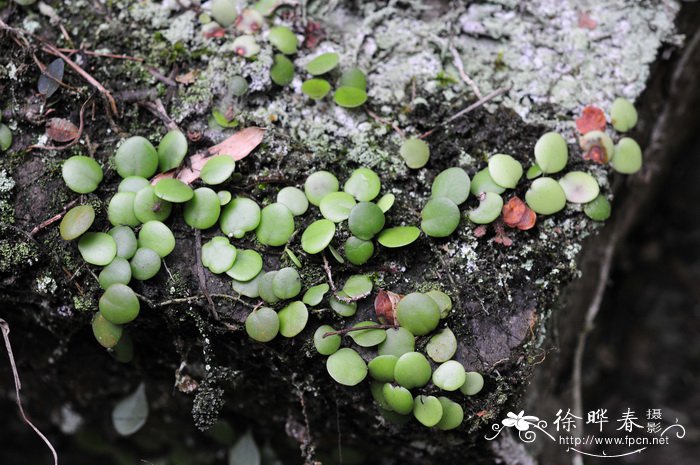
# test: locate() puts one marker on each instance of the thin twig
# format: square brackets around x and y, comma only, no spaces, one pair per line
[465,77]
[189,300]
[327,268]
[483,100]
[591,313]
[359,328]
[394,126]
[18,386]
[53,219]
[97,54]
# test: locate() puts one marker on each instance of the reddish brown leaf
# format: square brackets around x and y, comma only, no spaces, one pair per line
[313,34]
[481,413]
[187,78]
[594,149]
[480,231]
[238,146]
[586,22]
[592,119]
[517,214]
[501,237]
[61,130]
[385,306]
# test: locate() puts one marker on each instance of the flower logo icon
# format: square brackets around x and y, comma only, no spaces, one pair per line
[521,421]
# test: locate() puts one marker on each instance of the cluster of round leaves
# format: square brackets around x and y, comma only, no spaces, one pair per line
[138,241]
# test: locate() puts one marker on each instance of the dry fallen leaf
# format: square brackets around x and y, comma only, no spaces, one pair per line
[61,130]
[592,119]
[385,306]
[238,146]
[187,78]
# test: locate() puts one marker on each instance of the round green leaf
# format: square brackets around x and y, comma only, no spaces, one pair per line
[136,157]
[452,183]
[317,236]
[449,376]
[551,153]
[545,196]
[248,288]
[316,88]
[76,221]
[398,342]
[415,153]
[490,207]
[363,184]
[442,300]
[505,170]
[265,287]
[293,319]
[326,345]
[145,264]
[173,190]
[375,388]
[217,169]
[224,197]
[158,237]
[282,70]
[5,137]
[107,333]
[117,272]
[246,45]
[171,150]
[427,410]
[283,39]
[148,206]
[579,187]
[131,413]
[440,217]
[399,398]
[418,313]
[358,251]
[119,304]
[353,77]
[412,370]
[224,12]
[120,210]
[218,255]
[126,241]
[132,184]
[442,346]
[238,86]
[473,384]
[320,184]
[399,236]
[599,209]
[366,219]
[240,216]
[367,337]
[262,324]
[533,172]
[247,265]
[286,284]
[336,206]
[97,248]
[623,115]
[276,225]
[358,286]
[322,63]
[386,202]
[202,211]
[81,174]
[314,295]
[350,97]
[294,199]
[628,156]
[483,182]
[345,309]
[452,414]
[382,367]
[346,367]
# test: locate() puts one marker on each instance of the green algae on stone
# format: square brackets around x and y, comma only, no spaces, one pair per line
[545,196]
[440,217]
[415,152]
[76,222]
[346,367]
[171,150]
[81,174]
[119,304]
[136,157]
[623,115]
[262,324]
[240,216]
[276,225]
[317,236]
[551,153]
[97,248]
[358,251]
[505,170]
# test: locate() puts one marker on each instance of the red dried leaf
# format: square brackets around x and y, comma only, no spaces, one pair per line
[517,214]
[61,130]
[313,34]
[592,119]
[594,149]
[385,306]
[501,236]
[480,231]
[481,413]
[215,32]
[238,146]
[586,22]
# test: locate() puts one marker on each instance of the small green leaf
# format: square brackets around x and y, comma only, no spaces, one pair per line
[76,221]
[97,248]
[317,236]
[131,413]
[282,70]
[353,77]
[399,236]
[81,174]
[316,88]
[350,97]
[283,39]
[322,63]
[346,367]
[217,169]
[415,153]
[171,150]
